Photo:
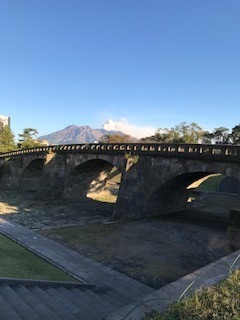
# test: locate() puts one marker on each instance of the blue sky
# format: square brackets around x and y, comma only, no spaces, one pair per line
[144,64]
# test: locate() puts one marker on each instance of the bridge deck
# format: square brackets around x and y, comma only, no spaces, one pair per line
[195,151]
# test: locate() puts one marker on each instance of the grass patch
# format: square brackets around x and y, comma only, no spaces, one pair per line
[140,250]
[220,302]
[210,183]
[18,262]
[88,235]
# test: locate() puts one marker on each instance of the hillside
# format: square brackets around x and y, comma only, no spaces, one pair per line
[77,134]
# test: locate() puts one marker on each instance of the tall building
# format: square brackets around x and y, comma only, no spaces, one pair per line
[4,121]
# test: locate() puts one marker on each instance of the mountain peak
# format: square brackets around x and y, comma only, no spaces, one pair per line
[74,126]
[77,134]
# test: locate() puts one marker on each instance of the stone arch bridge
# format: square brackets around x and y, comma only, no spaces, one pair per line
[154,177]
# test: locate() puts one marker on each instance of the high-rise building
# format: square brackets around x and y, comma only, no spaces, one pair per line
[4,121]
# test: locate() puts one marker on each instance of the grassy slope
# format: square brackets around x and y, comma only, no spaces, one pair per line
[208,183]
[17,262]
[221,302]
[211,183]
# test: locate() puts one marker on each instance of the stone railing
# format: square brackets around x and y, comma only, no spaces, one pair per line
[195,151]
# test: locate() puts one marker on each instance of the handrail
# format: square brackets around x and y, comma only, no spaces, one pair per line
[203,151]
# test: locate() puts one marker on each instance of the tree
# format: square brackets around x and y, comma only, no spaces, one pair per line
[182,133]
[221,135]
[7,142]
[115,138]
[28,138]
[236,134]
[207,137]
[193,133]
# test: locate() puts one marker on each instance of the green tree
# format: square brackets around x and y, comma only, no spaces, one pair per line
[115,138]
[236,134]
[7,142]
[27,139]
[193,133]
[182,133]
[207,137]
[221,135]
[189,133]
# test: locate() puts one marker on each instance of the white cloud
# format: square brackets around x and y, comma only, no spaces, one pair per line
[127,128]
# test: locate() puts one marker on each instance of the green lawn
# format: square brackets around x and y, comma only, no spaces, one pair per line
[220,302]
[18,262]
[210,183]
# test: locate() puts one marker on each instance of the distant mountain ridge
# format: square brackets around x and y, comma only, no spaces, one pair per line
[77,134]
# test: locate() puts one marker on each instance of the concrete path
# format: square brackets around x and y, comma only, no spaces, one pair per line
[77,265]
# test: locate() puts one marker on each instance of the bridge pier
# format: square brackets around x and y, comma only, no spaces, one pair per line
[52,181]
[11,174]
[147,188]
[131,197]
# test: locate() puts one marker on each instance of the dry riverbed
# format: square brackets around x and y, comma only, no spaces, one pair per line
[155,251]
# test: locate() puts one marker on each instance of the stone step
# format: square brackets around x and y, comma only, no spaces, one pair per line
[24,302]
[6,310]
[89,310]
[52,303]
[43,311]
[106,305]
[111,299]
[17,304]
[104,292]
[68,305]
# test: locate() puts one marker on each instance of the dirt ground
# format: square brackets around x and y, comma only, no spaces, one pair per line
[155,251]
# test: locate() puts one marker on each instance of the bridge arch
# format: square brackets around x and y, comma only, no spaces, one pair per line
[32,174]
[92,178]
[172,192]
[74,160]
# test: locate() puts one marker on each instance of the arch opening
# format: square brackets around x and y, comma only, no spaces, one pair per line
[173,195]
[31,178]
[216,182]
[96,179]
[214,192]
